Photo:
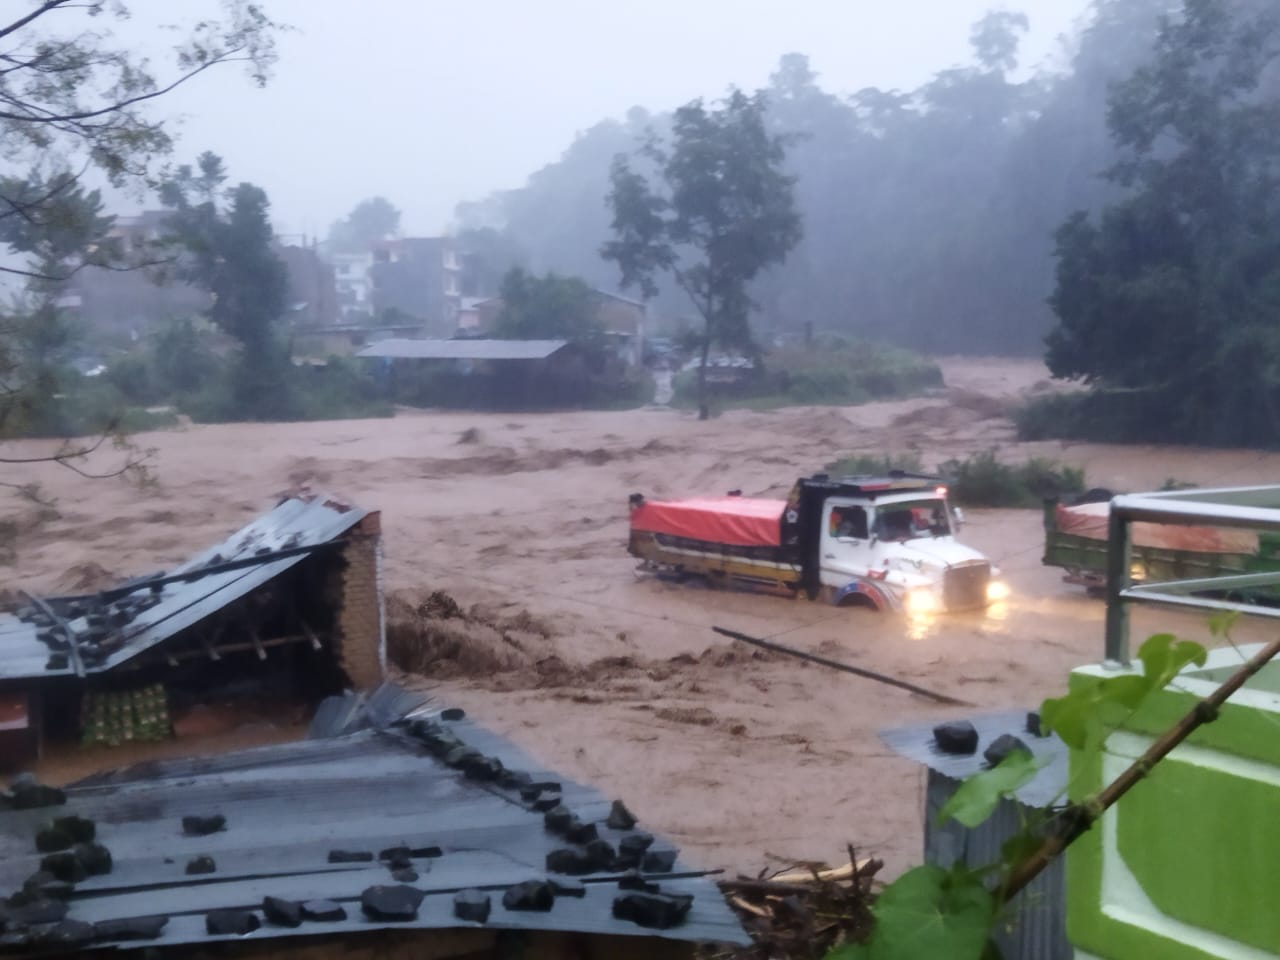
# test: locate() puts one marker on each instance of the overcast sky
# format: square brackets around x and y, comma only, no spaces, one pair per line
[431,102]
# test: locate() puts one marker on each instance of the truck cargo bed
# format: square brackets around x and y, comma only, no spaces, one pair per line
[727,521]
[760,568]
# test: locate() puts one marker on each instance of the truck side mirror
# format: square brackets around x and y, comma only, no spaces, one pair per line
[959,517]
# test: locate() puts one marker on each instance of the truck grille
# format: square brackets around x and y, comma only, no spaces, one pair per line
[964,586]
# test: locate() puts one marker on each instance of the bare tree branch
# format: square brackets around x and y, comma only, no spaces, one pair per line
[49,117]
[114,268]
[35,14]
[134,463]
[130,465]
[62,455]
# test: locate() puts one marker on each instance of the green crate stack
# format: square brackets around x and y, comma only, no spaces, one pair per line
[151,713]
[113,718]
[93,719]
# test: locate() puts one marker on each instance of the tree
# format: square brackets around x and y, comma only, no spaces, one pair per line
[224,238]
[723,212]
[66,229]
[71,94]
[74,99]
[994,39]
[1172,295]
[550,307]
[372,220]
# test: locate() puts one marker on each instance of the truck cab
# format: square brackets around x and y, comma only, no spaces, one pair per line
[889,543]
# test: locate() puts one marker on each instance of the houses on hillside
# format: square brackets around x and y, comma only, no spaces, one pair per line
[122,306]
[338,302]
[419,278]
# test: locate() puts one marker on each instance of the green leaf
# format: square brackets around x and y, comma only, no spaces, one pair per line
[1164,655]
[976,798]
[1221,622]
[1129,691]
[931,912]
[1156,653]
[1074,718]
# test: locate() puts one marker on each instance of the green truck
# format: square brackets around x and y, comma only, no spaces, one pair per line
[1075,539]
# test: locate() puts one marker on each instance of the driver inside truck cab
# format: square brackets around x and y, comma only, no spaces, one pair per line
[849,523]
[894,525]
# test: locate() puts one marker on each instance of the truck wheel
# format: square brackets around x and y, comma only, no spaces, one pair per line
[859,600]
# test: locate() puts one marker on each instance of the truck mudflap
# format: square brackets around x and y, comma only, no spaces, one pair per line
[879,597]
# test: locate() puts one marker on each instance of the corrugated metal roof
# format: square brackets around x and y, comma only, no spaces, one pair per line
[1047,786]
[619,297]
[463,349]
[287,807]
[148,616]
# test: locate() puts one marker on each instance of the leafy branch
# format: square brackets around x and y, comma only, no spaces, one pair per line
[930,911]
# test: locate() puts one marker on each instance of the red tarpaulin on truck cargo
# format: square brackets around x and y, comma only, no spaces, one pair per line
[1090,520]
[737,521]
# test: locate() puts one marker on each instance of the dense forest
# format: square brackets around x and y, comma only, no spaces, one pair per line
[929,215]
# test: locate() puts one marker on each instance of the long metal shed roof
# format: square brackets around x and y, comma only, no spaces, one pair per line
[264,549]
[398,349]
[288,808]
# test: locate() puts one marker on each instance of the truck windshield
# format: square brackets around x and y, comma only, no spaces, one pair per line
[912,519]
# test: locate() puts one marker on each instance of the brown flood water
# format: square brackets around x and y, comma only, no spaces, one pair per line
[616,680]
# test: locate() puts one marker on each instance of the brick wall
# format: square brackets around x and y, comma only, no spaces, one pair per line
[360,643]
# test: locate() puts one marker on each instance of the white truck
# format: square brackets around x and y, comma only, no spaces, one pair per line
[886,543]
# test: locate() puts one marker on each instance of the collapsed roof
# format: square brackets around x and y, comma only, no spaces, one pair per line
[428,822]
[83,635]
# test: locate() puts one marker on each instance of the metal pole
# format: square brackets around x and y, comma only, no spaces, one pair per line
[836,664]
[1118,560]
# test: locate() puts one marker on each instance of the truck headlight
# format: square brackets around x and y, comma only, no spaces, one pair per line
[997,590]
[921,600]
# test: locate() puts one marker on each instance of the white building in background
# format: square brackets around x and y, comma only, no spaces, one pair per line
[353,275]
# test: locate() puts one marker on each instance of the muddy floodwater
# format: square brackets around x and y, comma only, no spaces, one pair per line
[618,680]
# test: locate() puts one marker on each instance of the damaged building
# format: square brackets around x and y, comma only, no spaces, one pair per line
[291,605]
[398,830]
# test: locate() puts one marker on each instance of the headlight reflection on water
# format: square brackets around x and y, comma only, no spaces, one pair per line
[921,601]
[922,606]
[923,609]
